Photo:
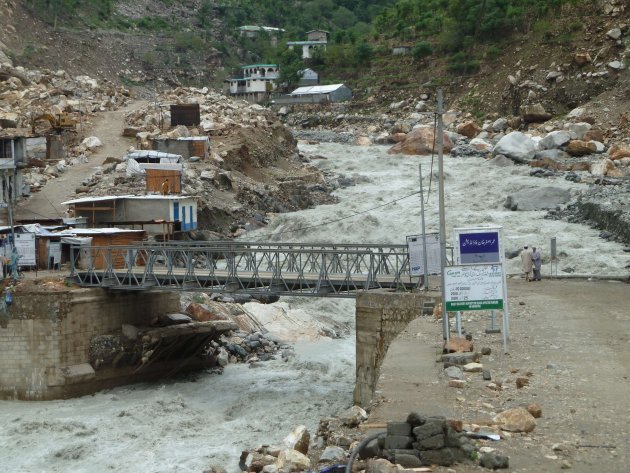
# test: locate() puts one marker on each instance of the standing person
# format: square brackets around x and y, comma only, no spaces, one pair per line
[165,187]
[527,263]
[537,262]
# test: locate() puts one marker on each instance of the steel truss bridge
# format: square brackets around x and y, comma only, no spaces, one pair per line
[255,268]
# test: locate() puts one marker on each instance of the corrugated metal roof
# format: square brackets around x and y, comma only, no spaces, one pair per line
[302,43]
[316,89]
[259,65]
[152,155]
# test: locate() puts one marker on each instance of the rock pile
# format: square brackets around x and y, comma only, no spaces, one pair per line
[26,94]
[422,441]
[245,342]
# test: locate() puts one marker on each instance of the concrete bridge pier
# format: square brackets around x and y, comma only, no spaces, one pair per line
[380,317]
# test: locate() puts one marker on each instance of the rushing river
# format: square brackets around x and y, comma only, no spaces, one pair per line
[191,423]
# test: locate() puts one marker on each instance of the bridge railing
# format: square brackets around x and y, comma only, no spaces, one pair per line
[336,270]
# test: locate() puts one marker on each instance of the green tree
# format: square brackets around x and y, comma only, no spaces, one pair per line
[363,53]
[291,65]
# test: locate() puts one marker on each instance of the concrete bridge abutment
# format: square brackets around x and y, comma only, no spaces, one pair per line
[380,318]
[45,338]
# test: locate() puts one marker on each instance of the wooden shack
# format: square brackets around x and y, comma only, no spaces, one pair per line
[158,173]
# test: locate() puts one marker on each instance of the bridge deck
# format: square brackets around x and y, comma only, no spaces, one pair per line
[282,269]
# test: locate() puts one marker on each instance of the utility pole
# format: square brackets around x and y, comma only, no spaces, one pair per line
[424,234]
[440,141]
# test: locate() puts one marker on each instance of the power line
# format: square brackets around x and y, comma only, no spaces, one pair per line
[338,219]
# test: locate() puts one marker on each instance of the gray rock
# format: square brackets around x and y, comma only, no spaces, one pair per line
[371,450]
[551,154]
[494,461]
[577,130]
[433,426]
[517,146]
[467,151]
[443,456]
[459,359]
[555,139]
[414,419]
[614,33]
[454,372]
[487,375]
[431,443]
[406,460]
[537,199]
[501,161]
[333,454]
[499,125]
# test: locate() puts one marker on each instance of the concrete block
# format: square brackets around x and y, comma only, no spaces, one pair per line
[398,428]
[406,460]
[431,443]
[433,426]
[397,442]
[77,373]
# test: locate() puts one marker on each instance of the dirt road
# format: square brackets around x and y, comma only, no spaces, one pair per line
[574,335]
[108,128]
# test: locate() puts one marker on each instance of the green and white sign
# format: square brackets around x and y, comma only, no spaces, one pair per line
[474,287]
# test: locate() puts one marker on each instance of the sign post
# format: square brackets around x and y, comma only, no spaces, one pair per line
[475,287]
[484,245]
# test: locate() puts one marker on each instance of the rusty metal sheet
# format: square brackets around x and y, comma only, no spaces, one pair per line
[187,115]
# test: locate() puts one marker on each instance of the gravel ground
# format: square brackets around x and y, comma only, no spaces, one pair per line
[572,335]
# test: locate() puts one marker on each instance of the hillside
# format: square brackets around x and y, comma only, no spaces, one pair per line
[572,56]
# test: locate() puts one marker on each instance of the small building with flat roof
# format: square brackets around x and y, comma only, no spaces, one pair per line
[253,82]
[157,214]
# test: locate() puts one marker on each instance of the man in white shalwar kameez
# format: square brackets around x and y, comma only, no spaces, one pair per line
[527,263]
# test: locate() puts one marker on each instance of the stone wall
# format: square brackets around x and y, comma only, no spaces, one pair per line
[45,335]
[380,317]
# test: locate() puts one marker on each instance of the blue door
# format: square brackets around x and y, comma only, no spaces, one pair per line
[175,211]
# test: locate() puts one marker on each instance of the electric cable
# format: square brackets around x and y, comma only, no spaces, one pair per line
[338,219]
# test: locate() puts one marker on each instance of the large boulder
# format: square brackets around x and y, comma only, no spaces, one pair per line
[535,113]
[292,460]
[517,146]
[555,139]
[481,145]
[515,420]
[420,141]
[617,152]
[469,129]
[298,439]
[581,148]
[537,199]
[605,167]
[353,416]
[203,313]
[91,142]
[578,130]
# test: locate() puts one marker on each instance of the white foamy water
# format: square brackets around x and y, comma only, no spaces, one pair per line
[475,192]
[186,425]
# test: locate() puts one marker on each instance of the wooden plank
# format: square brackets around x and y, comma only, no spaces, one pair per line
[217,326]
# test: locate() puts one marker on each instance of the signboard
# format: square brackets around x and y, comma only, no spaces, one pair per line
[25,246]
[479,247]
[473,287]
[416,253]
